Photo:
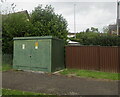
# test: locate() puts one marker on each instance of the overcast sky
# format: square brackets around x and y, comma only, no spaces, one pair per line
[89,13]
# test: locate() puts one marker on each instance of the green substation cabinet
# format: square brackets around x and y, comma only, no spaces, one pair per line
[38,53]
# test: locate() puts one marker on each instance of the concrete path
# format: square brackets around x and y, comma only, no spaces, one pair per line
[57,84]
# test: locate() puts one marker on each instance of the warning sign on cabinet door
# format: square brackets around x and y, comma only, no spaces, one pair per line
[23,46]
[36,45]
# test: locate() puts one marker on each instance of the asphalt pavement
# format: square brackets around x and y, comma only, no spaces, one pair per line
[57,84]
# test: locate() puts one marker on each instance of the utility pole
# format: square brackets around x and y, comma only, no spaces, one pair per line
[118,17]
[74,21]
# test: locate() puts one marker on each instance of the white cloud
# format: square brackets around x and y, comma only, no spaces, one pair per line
[88,14]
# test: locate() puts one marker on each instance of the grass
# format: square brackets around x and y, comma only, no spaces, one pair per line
[81,73]
[17,92]
[91,74]
[6,67]
[7,92]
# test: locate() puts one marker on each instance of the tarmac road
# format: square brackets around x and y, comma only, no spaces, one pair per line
[57,84]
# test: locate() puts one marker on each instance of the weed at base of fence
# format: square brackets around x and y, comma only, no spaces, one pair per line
[91,74]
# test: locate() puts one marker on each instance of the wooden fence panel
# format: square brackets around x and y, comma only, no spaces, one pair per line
[82,57]
[109,59]
[100,58]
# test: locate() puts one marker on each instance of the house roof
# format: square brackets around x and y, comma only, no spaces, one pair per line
[25,12]
[71,33]
[113,27]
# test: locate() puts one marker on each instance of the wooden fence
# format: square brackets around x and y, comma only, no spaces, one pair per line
[99,58]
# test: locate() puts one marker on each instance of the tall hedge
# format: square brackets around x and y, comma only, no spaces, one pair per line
[92,38]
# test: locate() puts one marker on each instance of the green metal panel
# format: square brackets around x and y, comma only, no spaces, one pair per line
[22,56]
[57,55]
[38,53]
[40,57]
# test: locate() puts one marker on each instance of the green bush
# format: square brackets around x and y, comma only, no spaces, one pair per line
[106,41]
[93,38]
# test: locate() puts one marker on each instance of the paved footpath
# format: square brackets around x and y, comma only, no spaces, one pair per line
[57,84]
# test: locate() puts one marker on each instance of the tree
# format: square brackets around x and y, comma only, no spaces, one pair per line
[14,25]
[47,22]
[86,38]
[87,30]
[7,8]
[93,38]
[94,29]
[105,29]
[43,21]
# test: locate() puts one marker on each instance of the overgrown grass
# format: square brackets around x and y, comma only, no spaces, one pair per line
[7,92]
[6,67]
[91,74]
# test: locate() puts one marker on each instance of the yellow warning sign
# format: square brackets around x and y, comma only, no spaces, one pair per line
[36,43]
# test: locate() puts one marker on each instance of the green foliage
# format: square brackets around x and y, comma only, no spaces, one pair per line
[17,92]
[107,40]
[92,37]
[43,21]
[46,22]
[14,25]
[91,74]
[105,29]
[92,29]
[6,67]
[86,38]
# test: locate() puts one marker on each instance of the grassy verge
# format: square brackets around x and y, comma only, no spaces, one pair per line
[16,92]
[7,92]
[91,74]
[6,67]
